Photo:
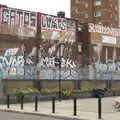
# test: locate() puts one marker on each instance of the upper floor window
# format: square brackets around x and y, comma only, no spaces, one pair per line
[86,15]
[111,15]
[86,4]
[97,2]
[116,8]
[79,1]
[76,11]
[116,18]
[97,14]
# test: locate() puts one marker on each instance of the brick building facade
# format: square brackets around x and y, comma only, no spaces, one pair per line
[95,11]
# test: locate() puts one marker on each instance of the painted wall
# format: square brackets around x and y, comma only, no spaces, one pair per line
[18,22]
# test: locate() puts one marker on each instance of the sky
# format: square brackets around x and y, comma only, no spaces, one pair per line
[43,6]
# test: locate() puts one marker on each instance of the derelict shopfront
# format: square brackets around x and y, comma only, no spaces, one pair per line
[105,51]
[18,29]
[58,49]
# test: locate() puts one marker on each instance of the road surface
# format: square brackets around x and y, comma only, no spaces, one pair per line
[17,116]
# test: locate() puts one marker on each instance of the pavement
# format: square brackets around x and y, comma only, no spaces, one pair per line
[87,109]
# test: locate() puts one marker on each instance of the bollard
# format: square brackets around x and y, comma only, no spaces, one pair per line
[22,99]
[75,107]
[36,103]
[53,105]
[8,101]
[99,108]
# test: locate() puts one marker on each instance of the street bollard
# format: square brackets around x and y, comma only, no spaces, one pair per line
[22,99]
[53,105]
[36,103]
[99,108]
[75,107]
[8,101]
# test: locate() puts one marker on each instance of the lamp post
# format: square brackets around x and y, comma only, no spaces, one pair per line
[60,71]
[58,65]
[24,56]
[60,14]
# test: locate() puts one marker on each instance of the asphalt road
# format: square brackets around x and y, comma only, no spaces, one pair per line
[17,116]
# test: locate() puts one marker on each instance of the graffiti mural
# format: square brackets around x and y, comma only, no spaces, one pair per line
[54,55]
[18,22]
[14,64]
[58,54]
[105,53]
[58,50]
